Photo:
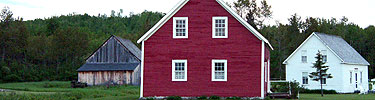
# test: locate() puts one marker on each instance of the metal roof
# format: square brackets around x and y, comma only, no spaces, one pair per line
[130,46]
[108,67]
[346,52]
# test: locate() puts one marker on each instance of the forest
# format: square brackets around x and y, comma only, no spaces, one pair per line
[54,48]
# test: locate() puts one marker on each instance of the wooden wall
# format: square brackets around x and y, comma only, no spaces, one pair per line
[242,50]
[105,77]
[112,52]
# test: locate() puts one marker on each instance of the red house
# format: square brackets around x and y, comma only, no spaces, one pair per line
[203,47]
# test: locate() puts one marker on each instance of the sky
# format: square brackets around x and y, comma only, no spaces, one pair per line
[360,12]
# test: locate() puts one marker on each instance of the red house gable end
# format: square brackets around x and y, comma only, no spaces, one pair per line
[241,49]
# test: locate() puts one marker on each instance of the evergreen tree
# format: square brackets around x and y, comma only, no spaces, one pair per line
[321,71]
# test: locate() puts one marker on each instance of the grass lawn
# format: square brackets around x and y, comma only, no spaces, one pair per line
[58,90]
[337,97]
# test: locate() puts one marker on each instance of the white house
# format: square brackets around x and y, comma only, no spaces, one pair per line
[348,68]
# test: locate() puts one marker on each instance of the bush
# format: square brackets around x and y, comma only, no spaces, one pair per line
[317,91]
[234,98]
[149,98]
[202,98]
[174,98]
[12,78]
[280,87]
[214,97]
[295,89]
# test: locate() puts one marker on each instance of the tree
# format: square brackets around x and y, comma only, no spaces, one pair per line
[321,71]
[253,14]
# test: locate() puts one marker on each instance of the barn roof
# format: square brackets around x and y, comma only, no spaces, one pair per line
[108,67]
[126,43]
[346,52]
[130,46]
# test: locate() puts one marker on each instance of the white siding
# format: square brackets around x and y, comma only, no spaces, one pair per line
[340,73]
[346,77]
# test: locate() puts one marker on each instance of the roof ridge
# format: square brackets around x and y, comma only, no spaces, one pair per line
[342,48]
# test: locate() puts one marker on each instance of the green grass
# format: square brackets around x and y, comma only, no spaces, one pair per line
[337,97]
[57,90]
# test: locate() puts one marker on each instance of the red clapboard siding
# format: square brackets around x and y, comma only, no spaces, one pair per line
[241,49]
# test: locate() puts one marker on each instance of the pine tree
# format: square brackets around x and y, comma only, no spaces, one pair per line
[321,71]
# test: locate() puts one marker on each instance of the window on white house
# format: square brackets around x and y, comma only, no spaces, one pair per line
[305,78]
[304,56]
[219,70]
[324,56]
[350,77]
[361,77]
[219,27]
[180,27]
[324,80]
[179,70]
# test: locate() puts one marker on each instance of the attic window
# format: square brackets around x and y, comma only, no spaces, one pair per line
[180,27]
[219,27]
[324,56]
[219,70]
[179,70]
[304,56]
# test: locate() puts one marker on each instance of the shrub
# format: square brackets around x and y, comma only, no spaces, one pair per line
[174,98]
[234,98]
[317,91]
[295,89]
[12,78]
[202,97]
[214,97]
[280,87]
[149,98]
[267,98]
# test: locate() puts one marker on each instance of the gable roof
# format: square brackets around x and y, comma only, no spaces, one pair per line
[127,44]
[346,53]
[130,46]
[108,67]
[180,4]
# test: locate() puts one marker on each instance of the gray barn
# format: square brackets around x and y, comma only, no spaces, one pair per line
[116,61]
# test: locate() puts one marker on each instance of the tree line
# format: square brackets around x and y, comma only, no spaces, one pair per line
[53,48]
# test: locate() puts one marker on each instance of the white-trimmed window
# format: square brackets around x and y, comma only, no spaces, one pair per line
[361,77]
[304,56]
[305,78]
[219,27]
[324,56]
[351,75]
[179,70]
[219,70]
[180,27]
[324,80]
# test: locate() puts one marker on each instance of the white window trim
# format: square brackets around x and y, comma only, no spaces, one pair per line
[307,78]
[213,27]
[351,77]
[213,70]
[173,70]
[186,24]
